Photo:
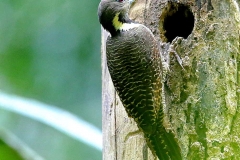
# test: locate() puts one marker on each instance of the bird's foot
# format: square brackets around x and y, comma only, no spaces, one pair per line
[172,50]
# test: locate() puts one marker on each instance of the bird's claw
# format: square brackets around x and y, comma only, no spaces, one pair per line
[172,50]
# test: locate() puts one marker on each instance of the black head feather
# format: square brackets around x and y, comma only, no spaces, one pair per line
[108,9]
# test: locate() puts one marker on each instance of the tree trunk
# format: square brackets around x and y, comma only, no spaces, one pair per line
[202,100]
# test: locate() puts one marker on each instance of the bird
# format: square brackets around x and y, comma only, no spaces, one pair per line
[135,66]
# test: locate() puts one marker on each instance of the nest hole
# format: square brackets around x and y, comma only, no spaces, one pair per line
[177,20]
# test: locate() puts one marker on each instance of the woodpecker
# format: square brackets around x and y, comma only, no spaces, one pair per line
[135,66]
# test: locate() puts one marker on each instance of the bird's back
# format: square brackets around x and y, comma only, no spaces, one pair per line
[134,63]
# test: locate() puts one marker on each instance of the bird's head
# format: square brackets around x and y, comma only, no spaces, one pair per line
[113,14]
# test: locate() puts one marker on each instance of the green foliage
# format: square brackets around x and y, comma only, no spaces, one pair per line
[50,51]
[7,153]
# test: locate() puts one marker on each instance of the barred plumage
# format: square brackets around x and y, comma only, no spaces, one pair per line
[136,74]
[135,66]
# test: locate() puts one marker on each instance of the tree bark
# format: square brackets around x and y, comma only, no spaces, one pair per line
[202,100]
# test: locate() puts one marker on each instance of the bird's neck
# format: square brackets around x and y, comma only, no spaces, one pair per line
[122,23]
[118,22]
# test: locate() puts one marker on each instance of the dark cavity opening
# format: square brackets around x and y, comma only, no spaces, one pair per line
[177,21]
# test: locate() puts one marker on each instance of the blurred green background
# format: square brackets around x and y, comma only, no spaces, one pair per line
[50,52]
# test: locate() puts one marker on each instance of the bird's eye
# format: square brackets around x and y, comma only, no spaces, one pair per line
[120,0]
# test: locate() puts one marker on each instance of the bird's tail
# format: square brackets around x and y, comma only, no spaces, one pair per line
[164,145]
